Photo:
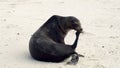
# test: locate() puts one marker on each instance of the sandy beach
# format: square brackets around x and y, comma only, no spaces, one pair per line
[100,43]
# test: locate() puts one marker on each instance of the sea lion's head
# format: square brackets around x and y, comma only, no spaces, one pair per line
[73,23]
[70,22]
[67,23]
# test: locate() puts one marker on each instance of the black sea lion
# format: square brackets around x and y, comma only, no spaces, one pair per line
[47,43]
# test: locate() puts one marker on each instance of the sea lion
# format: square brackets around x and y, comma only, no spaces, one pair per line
[47,43]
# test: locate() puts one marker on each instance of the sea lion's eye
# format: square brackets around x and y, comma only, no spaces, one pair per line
[74,25]
[74,22]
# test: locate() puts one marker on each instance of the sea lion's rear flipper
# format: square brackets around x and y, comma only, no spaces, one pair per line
[81,55]
[74,60]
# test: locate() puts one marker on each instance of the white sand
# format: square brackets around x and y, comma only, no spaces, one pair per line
[100,19]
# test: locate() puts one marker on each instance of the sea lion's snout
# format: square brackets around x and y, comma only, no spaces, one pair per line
[77,27]
[81,30]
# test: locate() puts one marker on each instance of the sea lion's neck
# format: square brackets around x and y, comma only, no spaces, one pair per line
[62,28]
[62,32]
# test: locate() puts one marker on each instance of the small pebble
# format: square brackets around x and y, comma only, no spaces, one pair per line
[102,46]
[111,26]
[4,20]
[18,33]
[6,44]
